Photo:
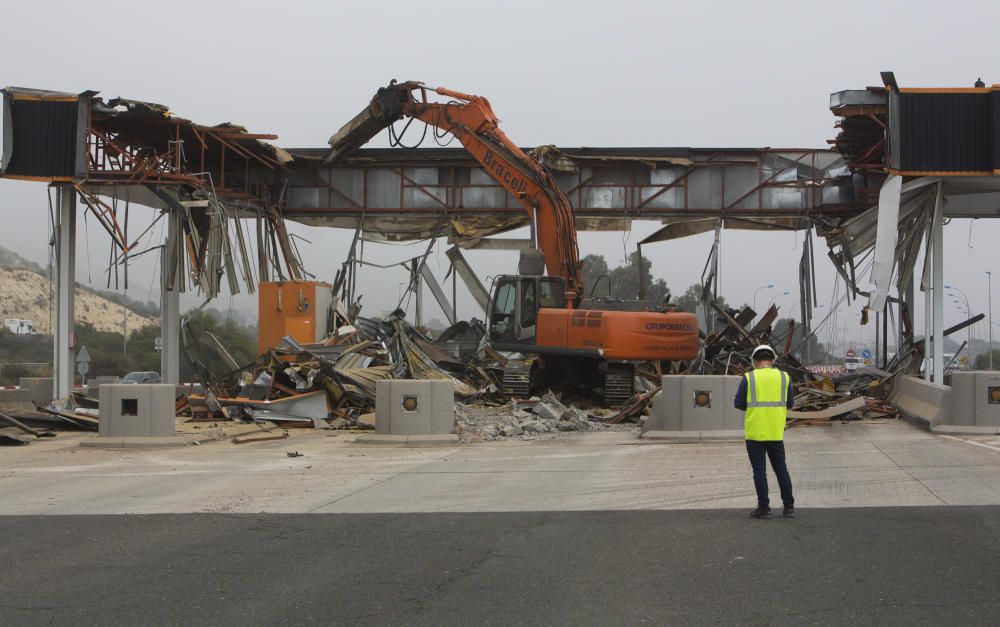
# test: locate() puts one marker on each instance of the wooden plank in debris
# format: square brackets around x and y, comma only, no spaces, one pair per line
[633,407]
[765,322]
[733,323]
[266,438]
[745,316]
[14,422]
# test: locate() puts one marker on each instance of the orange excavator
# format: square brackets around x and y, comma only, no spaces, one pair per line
[563,337]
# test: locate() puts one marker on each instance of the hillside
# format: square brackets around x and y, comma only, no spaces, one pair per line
[24,293]
[10,259]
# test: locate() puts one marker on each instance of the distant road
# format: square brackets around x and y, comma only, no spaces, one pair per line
[886,566]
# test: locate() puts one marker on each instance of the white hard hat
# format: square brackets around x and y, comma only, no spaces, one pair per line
[762,348]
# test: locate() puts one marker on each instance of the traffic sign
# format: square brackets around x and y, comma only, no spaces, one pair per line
[83,361]
[867,354]
[850,352]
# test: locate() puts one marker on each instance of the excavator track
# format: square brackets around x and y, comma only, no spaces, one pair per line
[517,378]
[618,382]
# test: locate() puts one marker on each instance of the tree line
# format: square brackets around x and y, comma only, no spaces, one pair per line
[112,356]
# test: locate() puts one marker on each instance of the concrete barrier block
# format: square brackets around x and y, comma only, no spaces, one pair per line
[703,403]
[665,413]
[137,410]
[962,411]
[921,402]
[414,407]
[734,418]
[975,399]
[987,399]
[94,385]
[695,403]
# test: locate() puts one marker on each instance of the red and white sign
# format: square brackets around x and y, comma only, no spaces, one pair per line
[827,369]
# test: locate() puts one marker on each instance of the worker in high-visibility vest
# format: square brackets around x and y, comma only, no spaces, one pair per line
[765,395]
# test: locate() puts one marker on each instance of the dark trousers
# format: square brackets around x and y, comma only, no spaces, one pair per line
[775,451]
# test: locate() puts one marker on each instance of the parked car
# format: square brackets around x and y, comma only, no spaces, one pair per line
[141,377]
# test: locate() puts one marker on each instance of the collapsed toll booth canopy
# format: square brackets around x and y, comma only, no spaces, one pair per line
[113,154]
[110,154]
[919,156]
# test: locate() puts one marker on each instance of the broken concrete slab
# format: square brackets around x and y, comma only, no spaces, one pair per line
[549,411]
[509,431]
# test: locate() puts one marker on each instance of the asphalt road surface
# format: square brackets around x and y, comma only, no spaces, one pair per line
[900,566]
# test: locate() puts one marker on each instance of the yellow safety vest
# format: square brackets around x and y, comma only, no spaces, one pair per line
[767,397]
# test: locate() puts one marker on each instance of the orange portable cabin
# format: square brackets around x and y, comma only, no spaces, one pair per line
[299,309]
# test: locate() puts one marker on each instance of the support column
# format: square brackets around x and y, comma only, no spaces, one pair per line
[442,300]
[64,331]
[928,326]
[475,287]
[906,301]
[170,304]
[419,317]
[937,261]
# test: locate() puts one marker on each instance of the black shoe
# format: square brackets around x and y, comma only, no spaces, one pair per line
[789,511]
[761,512]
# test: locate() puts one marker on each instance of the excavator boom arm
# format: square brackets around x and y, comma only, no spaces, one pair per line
[472,121]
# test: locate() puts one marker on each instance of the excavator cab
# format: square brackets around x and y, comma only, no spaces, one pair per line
[514,307]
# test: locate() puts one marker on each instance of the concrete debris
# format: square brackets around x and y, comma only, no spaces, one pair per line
[479,422]
[549,411]
[339,423]
[509,431]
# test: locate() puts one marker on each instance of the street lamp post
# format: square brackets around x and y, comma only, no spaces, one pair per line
[765,287]
[989,309]
[968,314]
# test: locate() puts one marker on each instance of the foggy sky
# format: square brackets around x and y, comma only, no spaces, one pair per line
[639,74]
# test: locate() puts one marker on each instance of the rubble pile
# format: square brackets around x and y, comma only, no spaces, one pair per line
[293,383]
[818,399]
[331,384]
[528,420]
[728,350]
[853,396]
